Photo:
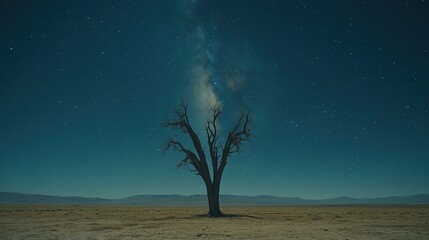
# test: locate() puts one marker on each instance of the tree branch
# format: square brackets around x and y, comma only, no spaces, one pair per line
[183,123]
[240,133]
[212,136]
[190,157]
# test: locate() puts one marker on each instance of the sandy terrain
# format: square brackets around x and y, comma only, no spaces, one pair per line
[104,222]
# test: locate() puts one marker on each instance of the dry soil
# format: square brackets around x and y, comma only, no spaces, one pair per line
[115,222]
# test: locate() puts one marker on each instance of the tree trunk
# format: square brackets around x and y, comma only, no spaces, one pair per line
[213,200]
[216,207]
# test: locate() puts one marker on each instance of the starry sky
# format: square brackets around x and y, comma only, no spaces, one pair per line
[338,90]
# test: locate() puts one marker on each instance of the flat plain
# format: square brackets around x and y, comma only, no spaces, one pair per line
[125,222]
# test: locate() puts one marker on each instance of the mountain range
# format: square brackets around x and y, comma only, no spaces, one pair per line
[201,200]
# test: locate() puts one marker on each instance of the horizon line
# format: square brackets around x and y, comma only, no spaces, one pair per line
[197,194]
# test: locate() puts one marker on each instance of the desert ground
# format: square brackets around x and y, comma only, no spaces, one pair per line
[125,222]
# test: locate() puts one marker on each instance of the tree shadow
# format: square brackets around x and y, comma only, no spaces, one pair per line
[227,216]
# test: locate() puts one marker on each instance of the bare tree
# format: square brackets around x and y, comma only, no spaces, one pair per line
[196,159]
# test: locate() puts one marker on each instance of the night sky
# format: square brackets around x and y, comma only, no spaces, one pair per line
[339,93]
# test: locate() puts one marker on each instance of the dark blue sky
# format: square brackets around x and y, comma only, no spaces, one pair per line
[339,92]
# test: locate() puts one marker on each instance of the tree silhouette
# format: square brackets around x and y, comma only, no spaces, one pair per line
[196,160]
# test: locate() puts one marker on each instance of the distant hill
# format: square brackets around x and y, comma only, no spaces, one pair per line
[20,198]
[201,200]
